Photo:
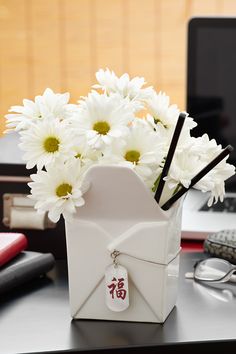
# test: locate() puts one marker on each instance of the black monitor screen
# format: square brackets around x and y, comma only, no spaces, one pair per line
[211,91]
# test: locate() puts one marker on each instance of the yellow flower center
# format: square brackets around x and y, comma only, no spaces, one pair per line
[132,156]
[158,120]
[78,156]
[101,127]
[51,144]
[63,190]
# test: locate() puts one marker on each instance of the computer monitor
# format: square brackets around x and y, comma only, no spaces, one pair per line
[211,80]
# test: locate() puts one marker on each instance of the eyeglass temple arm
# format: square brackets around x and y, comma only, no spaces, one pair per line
[229,276]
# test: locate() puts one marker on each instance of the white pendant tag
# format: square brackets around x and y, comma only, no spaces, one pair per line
[117,291]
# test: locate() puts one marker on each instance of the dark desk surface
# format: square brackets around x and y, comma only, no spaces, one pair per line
[36,319]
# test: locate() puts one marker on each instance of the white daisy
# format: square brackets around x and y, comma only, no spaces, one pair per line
[160,109]
[206,148]
[188,162]
[58,190]
[102,119]
[165,114]
[46,142]
[124,86]
[183,168]
[213,182]
[54,104]
[49,105]
[143,151]
[84,153]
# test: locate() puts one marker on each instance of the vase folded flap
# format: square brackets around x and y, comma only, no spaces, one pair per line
[119,193]
[146,241]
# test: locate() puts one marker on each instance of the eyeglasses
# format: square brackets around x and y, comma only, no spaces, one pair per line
[214,270]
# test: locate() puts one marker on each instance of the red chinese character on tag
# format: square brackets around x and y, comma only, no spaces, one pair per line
[117,288]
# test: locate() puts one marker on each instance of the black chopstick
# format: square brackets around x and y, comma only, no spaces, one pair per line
[169,158]
[198,176]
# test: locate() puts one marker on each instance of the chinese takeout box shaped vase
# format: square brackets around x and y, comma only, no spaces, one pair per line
[121,232]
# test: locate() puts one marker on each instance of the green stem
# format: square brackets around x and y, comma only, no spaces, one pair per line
[155,185]
[179,185]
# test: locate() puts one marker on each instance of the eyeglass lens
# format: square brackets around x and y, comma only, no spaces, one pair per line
[212,269]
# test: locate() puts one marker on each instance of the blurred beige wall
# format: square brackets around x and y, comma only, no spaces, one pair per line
[61,43]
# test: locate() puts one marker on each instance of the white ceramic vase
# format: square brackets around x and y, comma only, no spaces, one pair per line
[120,214]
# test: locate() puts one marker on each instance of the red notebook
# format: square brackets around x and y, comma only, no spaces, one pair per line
[10,245]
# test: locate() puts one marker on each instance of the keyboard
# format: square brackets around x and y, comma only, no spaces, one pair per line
[227,206]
